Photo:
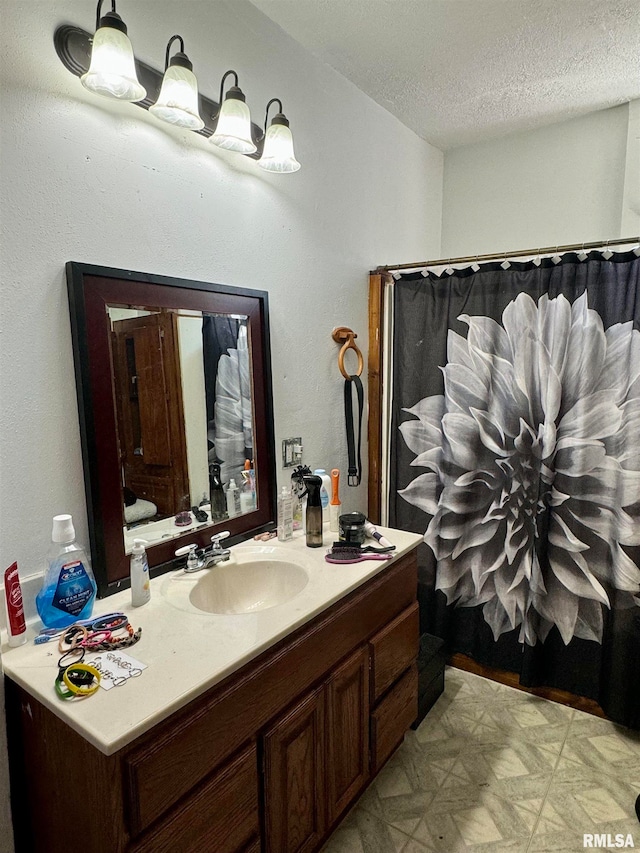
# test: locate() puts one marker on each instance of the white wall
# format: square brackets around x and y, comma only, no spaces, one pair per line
[557,185]
[90,181]
[631,197]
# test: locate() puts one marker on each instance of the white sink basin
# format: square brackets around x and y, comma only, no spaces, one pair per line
[246,587]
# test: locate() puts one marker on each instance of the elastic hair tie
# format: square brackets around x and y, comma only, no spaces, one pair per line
[73,636]
[96,638]
[78,651]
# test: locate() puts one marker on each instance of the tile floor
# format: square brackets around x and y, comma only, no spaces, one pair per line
[494,769]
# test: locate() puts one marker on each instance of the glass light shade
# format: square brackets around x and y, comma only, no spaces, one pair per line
[178,99]
[233,130]
[277,154]
[112,71]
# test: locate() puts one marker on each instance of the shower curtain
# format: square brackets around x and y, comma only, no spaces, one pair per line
[515,451]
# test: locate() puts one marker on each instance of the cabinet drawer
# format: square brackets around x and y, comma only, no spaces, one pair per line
[222,815]
[393,716]
[393,649]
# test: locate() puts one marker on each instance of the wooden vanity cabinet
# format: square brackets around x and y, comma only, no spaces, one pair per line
[267,761]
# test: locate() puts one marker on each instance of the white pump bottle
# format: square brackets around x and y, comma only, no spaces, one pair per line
[140,581]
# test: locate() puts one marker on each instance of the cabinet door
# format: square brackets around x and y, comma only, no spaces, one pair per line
[294,778]
[347,732]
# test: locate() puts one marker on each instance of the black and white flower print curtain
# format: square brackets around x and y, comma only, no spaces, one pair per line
[516,452]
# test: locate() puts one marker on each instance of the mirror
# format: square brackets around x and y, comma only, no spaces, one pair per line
[176,421]
[184,418]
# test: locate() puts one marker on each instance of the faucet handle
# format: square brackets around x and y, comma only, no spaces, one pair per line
[186,549]
[192,558]
[218,537]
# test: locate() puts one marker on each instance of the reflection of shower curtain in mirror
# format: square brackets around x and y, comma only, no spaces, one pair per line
[228,394]
[516,452]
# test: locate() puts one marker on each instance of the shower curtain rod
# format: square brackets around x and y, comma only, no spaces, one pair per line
[496,256]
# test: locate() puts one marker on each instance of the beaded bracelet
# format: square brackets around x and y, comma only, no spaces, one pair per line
[109,622]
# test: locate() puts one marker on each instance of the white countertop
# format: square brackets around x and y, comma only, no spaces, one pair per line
[186,650]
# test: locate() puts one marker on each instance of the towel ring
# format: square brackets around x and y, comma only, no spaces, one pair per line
[345,336]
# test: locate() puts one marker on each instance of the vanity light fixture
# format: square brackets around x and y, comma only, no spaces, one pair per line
[178,99]
[112,70]
[277,151]
[106,65]
[233,127]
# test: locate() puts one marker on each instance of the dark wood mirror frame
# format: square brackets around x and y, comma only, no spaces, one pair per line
[91,289]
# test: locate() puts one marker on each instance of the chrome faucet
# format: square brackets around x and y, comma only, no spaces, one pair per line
[205,558]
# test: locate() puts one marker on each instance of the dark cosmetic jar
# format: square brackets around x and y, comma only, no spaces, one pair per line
[351,526]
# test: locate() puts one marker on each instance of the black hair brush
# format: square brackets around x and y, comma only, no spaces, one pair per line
[349,552]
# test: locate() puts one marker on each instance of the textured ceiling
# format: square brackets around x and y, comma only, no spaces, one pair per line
[461,71]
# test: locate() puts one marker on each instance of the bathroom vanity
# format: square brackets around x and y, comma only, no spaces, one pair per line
[247,731]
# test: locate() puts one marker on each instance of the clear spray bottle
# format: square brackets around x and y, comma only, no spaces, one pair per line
[313,511]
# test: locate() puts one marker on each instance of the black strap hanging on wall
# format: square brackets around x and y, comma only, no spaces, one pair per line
[345,336]
[355,461]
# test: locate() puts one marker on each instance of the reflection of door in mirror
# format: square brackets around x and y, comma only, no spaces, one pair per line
[150,415]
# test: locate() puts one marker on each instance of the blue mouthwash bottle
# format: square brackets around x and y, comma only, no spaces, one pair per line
[69,588]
